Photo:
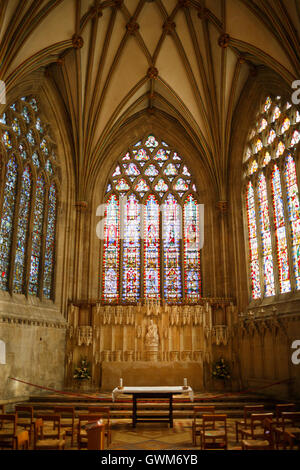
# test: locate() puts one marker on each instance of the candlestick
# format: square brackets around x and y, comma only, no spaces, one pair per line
[185,382]
[121,383]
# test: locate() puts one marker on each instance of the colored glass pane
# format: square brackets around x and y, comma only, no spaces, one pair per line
[280,233]
[22,232]
[171,244]
[7,220]
[141,186]
[265,229]
[122,185]
[131,250]
[111,250]
[253,246]
[36,242]
[191,249]
[50,244]
[151,249]
[293,213]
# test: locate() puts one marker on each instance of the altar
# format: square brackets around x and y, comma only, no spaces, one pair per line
[151,343]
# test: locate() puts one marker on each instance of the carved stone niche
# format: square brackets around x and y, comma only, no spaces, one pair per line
[85,335]
[220,335]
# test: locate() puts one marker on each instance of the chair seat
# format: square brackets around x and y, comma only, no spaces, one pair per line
[50,443]
[255,443]
[6,433]
[24,422]
[256,432]
[214,433]
[48,434]
[66,422]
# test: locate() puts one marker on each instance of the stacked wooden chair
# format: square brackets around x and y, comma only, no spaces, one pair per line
[245,422]
[8,430]
[48,437]
[266,442]
[256,429]
[22,440]
[67,421]
[197,424]
[289,422]
[25,418]
[214,432]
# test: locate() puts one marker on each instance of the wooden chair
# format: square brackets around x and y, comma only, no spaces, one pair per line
[22,440]
[197,420]
[283,407]
[8,430]
[289,441]
[290,422]
[67,415]
[105,415]
[267,443]
[42,442]
[83,419]
[248,409]
[25,418]
[214,428]
[256,430]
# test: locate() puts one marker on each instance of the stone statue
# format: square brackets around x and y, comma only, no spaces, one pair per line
[152,338]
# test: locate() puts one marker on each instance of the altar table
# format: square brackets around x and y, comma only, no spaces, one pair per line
[152,392]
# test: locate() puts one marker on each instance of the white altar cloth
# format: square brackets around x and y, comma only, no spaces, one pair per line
[159,390]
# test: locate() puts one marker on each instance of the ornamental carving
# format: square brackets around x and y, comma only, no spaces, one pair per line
[224,40]
[169,26]
[85,335]
[77,41]
[132,27]
[152,73]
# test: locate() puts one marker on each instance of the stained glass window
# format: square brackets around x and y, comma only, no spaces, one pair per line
[266,236]
[293,213]
[151,249]
[7,220]
[253,244]
[171,245]
[111,250]
[157,250]
[280,233]
[23,219]
[131,249]
[27,259]
[50,243]
[191,249]
[36,241]
[276,139]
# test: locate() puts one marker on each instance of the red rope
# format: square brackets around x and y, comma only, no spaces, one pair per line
[99,398]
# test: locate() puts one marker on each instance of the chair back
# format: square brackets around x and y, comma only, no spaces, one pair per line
[200,410]
[104,410]
[281,407]
[269,431]
[55,418]
[22,441]
[288,440]
[38,430]
[24,410]
[290,416]
[214,418]
[248,409]
[64,410]
[10,418]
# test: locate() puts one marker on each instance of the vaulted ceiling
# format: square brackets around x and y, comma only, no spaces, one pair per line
[187,58]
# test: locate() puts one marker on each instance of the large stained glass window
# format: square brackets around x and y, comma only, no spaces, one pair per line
[272,200]
[29,205]
[151,231]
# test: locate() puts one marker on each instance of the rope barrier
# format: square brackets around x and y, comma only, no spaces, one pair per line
[61,392]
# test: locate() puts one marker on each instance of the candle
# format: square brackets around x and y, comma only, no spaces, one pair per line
[185,382]
[121,383]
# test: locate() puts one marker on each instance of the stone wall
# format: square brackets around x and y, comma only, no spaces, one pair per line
[34,338]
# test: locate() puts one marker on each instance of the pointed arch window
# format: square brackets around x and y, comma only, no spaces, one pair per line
[272,200]
[28,201]
[151,231]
